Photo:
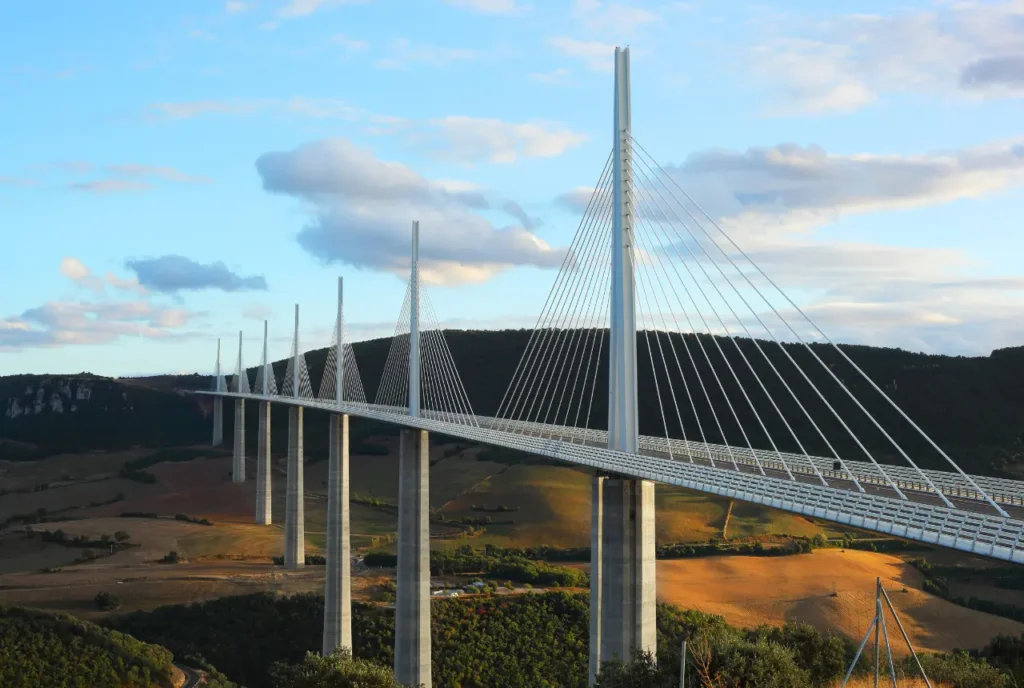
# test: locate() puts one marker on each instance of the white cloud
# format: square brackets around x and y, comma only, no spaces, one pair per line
[461,139]
[597,56]
[163,172]
[841,64]
[256,311]
[293,9]
[362,210]
[77,272]
[403,53]
[556,76]
[468,139]
[611,17]
[126,284]
[110,186]
[60,323]
[503,7]
[235,6]
[351,44]
[777,204]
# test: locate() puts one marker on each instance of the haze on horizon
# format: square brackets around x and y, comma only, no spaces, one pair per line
[178,172]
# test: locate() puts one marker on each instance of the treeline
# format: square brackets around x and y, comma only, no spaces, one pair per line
[494,563]
[937,580]
[524,641]
[971,406]
[55,650]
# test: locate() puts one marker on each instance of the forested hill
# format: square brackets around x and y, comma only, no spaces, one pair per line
[973,407]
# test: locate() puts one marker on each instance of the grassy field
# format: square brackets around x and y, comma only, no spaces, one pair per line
[829,589]
[551,506]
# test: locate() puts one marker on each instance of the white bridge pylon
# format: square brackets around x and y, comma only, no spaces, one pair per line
[739,392]
[733,375]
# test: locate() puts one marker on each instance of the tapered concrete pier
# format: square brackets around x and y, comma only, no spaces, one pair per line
[218,421]
[628,583]
[294,517]
[218,403]
[337,579]
[264,478]
[596,542]
[238,458]
[412,608]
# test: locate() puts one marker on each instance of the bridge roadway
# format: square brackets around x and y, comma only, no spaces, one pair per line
[973,527]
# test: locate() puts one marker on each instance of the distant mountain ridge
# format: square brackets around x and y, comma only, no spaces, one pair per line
[973,407]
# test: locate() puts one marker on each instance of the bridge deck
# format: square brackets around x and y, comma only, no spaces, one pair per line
[971,527]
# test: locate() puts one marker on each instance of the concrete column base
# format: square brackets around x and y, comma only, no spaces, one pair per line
[628,581]
[264,479]
[337,579]
[294,516]
[412,607]
[238,458]
[596,522]
[218,421]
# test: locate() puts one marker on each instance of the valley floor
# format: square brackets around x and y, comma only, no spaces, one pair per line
[546,505]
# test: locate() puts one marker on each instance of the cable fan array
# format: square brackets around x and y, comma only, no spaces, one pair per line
[240,383]
[442,394]
[352,384]
[731,371]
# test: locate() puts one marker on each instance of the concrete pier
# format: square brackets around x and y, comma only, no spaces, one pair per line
[238,463]
[628,582]
[294,518]
[337,579]
[412,608]
[218,421]
[596,522]
[264,479]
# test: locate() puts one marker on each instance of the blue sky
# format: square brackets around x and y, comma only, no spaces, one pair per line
[171,173]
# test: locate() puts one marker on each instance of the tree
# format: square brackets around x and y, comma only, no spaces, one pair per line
[337,670]
[642,672]
[106,601]
[122,536]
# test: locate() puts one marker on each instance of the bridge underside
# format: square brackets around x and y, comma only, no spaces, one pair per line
[972,527]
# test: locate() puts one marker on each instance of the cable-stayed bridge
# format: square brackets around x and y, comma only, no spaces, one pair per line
[663,354]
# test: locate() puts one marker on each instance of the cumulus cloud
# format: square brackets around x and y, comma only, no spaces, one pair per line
[363,208]
[844,63]
[460,139]
[596,55]
[994,71]
[59,323]
[77,272]
[172,274]
[105,320]
[777,204]
[503,7]
[469,139]
[611,16]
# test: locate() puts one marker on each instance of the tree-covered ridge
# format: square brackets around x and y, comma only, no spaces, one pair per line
[525,641]
[56,650]
[973,407]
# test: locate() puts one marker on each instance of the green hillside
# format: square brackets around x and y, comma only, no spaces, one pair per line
[972,406]
[56,650]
